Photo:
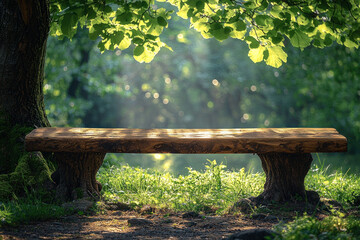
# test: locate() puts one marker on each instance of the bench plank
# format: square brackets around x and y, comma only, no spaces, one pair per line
[123,140]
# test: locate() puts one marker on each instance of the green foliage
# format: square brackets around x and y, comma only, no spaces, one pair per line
[333,227]
[339,186]
[26,210]
[214,188]
[267,23]
[117,23]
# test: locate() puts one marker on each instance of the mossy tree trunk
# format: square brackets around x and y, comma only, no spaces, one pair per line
[24,29]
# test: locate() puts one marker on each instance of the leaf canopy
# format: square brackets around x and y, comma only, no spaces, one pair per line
[266,25]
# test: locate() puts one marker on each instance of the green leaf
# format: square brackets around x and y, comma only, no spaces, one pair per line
[253,43]
[276,10]
[91,14]
[261,20]
[257,54]
[219,32]
[147,55]
[237,34]
[161,21]
[302,20]
[93,33]
[228,30]
[68,23]
[155,29]
[350,44]
[277,39]
[139,4]
[264,5]
[168,47]
[355,35]
[276,56]
[125,18]
[117,37]
[183,11]
[125,43]
[299,39]
[101,46]
[151,37]
[139,50]
[138,40]
[200,5]
[216,26]
[107,9]
[240,26]
[190,13]
[328,40]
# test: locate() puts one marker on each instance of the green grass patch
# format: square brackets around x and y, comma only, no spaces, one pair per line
[214,188]
[24,211]
[306,227]
[339,186]
[35,205]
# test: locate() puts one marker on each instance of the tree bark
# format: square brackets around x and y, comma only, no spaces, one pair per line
[24,28]
[76,175]
[285,174]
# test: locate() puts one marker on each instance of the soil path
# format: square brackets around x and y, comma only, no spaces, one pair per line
[133,225]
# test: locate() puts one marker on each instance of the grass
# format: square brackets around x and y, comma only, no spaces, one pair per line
[197,191]
[339,186]
[31,208]
[332,227]
[213,190]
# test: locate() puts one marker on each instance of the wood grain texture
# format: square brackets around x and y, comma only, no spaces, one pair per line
[121,140]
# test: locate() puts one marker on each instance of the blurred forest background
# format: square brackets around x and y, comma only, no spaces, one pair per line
[203,84]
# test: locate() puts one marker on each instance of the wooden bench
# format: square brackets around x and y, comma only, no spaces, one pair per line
[285,153]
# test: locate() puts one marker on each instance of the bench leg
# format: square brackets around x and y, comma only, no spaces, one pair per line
[76,175]
[285,174]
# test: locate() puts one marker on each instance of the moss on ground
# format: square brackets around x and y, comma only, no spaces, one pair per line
[19,170]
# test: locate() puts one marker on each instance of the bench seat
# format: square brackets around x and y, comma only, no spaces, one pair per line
[121,140]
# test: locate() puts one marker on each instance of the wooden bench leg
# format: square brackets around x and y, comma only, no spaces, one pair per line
[285,174]
[76,175]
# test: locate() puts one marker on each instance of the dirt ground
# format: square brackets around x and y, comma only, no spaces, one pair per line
[135,225]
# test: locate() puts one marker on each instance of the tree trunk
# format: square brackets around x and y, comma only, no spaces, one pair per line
[76,175]
[285,174]
[24,28]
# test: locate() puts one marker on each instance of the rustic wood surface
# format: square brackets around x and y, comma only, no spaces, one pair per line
[121,140]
